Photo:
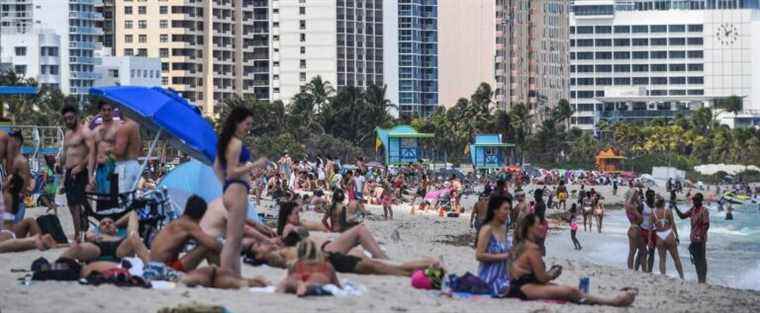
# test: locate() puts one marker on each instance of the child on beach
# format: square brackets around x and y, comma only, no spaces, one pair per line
[574,227]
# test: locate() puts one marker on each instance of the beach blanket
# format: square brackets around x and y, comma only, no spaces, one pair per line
[434,195]
[348,289]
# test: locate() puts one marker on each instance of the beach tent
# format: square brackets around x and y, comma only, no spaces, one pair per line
[401,144]
[608,160]
[488,151]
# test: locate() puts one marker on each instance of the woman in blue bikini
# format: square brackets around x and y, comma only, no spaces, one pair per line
[233,167]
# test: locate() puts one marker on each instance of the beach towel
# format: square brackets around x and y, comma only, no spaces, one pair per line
[194,307]
[159,271]
[348,289]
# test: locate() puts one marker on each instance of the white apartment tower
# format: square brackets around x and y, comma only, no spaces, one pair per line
[339,40]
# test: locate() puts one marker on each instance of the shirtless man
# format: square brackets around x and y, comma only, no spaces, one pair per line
[101,157]
[171,240]
[214,223]
[106,243]
[77,144]
[126,150]
[522,207]
[479,214]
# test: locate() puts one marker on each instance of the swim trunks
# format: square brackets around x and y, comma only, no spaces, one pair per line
[75,185]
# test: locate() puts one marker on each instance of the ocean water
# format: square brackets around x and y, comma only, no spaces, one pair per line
[733,247]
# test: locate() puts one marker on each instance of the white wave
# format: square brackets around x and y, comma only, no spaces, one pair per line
[750,279]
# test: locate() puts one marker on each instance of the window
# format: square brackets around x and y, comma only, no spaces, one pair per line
[164,38]
[676,28]
[603,29]
[142,52]
[604,68]
[302,64]
[129,52]
[127,10]
[659,54]
[142,10]
[585,68]
[585,81]
[302,76]
[142,24]
[128,24]
[603,55]
[585,55]
[622,29]
[622,68]
[164,24]
[659,67]
[20,69]
[622,42]
[641,67]
[640,80]
[163,52]
[695,67]
[585,30]
[640,42]
[677,54]
[695,41]
[303,50]
[128,38]
[659,80]
[302,24]
[163,9]
[53,69]
[677,92]
[696,92]
[640,55]
[659,28]
[20,51]
[678,80]
[604,81]
[696,80]
[695,28]
[696,54]
[165,66]
[677,67]
[640,29]
[622,81]
[585,42]
[603,42]
[302,10]
[622,55]
[659,41]
[303,37]
[142,38]
[677,41]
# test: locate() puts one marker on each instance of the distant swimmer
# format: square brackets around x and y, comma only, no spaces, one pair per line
[730,213]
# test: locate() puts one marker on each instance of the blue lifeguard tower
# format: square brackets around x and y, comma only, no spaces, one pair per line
[489,152]
[401,144]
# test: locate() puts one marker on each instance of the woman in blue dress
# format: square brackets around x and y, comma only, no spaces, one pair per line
[494,245]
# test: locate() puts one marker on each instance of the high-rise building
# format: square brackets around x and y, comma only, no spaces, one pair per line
[210,50]
[52,40]
[638,60]
[411,61]
[340,41]
[531,53]
[466,47]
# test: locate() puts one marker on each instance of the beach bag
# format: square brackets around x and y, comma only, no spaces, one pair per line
[468,283]
[64,269]
[51,225]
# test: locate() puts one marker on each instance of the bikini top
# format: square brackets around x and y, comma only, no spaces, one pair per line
[304,270]
[245,156]
[661,222]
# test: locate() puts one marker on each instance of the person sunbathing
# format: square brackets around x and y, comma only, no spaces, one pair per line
[214,223]
[310,272]
[171,240]
[346,254]
[106,244]
[531,281]
[9,243]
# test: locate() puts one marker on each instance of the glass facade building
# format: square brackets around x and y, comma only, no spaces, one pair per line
[417,56]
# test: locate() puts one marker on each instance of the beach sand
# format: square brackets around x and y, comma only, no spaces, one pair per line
[421,235]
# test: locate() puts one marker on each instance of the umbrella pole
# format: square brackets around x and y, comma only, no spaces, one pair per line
[147,157]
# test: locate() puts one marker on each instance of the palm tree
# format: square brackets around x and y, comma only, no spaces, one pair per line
[321,92]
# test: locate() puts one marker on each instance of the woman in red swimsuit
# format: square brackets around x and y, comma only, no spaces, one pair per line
[636,244]
[309,273]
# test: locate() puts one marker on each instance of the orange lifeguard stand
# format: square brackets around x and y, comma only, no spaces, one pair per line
[608,160]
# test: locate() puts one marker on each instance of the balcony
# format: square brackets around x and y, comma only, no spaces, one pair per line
[86,15]
[83,60]
[82,45]
[84,75]
[85,30]
[641,114]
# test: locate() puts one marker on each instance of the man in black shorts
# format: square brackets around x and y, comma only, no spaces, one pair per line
[108,245]
[77,144]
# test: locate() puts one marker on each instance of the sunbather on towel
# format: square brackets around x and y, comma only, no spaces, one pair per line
[171,240]
[343,253]
[106,244]
[309,273]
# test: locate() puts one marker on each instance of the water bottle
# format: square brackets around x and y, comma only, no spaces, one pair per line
[27,280]
[445,286]
[584,284]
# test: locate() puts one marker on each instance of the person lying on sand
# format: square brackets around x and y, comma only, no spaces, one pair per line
[214,223]
[343,253]
[310,272]
[171,240]
[531,281]
[106,244]
[209,277]
[9,243]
